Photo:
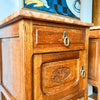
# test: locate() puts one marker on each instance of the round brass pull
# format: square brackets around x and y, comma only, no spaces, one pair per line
[65,39]
[83,73]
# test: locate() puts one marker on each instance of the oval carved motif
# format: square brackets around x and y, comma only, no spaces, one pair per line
[60,74]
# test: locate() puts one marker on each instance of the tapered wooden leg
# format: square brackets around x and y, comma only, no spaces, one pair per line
[0,95]
[99,92]
[82,99]
[99,78]
[3,97]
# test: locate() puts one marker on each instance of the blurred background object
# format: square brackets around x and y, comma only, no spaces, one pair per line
[96,12]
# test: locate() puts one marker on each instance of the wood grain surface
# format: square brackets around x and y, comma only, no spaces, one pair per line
[96,12]
[34,62]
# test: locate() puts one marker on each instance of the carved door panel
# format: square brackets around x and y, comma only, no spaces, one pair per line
[57,76]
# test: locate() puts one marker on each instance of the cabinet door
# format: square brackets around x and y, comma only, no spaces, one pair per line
[94,48]
[57,76]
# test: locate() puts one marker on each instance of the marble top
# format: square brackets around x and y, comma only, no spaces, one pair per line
[19,14]
[95,28]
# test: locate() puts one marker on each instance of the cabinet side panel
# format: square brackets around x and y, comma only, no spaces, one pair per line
[11,67]
[11,30]
[0,62]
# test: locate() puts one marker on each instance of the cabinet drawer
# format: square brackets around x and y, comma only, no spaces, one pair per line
[49,39]
[57,75]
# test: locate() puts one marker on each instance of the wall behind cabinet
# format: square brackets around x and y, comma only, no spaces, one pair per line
[7,7]
[86,11]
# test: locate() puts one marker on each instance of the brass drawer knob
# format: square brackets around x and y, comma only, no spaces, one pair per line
[83,73]
[65,39]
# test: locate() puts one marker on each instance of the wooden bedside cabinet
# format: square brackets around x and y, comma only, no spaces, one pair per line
[94,58]
[43,57]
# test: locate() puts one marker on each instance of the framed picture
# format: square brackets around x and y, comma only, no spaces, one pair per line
[70,8]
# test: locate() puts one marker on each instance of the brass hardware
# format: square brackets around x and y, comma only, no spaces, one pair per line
[65,39]
[83,73]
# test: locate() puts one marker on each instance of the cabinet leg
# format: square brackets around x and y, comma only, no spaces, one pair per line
[98,92]
[82,98]
[2,97]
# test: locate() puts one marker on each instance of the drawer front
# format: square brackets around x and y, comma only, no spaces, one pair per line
[49,39]
[58,76]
